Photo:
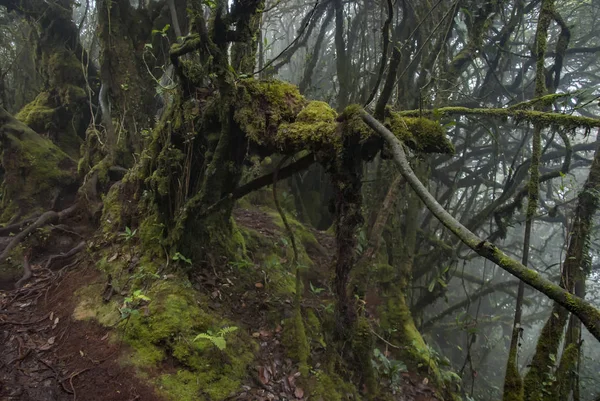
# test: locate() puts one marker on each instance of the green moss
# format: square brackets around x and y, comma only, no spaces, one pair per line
[37,114]
[396,316]
[167,327]
[420,134]
[566,121]
[565,373]
[90,306]
[181,386]
[263,105]
[513,384]
[302,234]
[314,127]
[362,347]
[313,328]
[295,341]
[329,386]
[112,212]
[35,170]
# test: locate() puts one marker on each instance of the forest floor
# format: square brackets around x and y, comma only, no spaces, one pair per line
[48,354]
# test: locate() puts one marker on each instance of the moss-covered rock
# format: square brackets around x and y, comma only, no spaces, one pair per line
[36,171]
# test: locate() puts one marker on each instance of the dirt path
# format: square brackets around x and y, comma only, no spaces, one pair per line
[46,355]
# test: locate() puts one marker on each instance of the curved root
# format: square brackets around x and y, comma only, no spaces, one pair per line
[80,247]
[45,219]
[26,273]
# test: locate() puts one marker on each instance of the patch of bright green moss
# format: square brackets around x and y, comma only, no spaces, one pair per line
[90,306]
[420,134]
[396,317]
[330,387]
[167,327]
[37,114]
[263,105]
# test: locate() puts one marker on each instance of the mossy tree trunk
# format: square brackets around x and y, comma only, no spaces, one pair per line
[61,111]
[513,383]
[39,162]
[127,94]
[196,152]
[36,173]
[576,267]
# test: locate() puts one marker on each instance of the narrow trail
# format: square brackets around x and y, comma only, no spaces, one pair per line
[47,354]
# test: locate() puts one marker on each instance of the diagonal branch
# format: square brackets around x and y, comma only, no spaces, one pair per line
[588,314]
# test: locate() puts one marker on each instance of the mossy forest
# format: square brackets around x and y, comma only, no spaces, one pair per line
[323,200]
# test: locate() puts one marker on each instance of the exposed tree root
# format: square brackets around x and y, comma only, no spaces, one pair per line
[80,247]
[26,273]
[16,227]
[46,218]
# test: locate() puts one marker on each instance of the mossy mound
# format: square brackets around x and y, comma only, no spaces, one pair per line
[274,114]
[262,106]
[315,127]
[36,171]
[420,134]
[161,333]
[60,112]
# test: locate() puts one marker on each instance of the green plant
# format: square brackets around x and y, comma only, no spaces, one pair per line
[179,256]
[241,264]
[161,32]
[131,303]
[218,339]
[128,234]
[316,290]
[388,369]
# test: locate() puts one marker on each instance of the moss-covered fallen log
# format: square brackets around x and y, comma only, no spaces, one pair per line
[588,314]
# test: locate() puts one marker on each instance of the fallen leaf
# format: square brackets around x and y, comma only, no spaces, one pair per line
[104,337]
[51,315]
[278,329]
[425,380]
[113,257]
[263,375]
[291,380]
[256,334]
[51,340]
[265,333]
[299,393]
[81,353]
[259,285]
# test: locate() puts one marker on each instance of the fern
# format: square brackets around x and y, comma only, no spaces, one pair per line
[218,339]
